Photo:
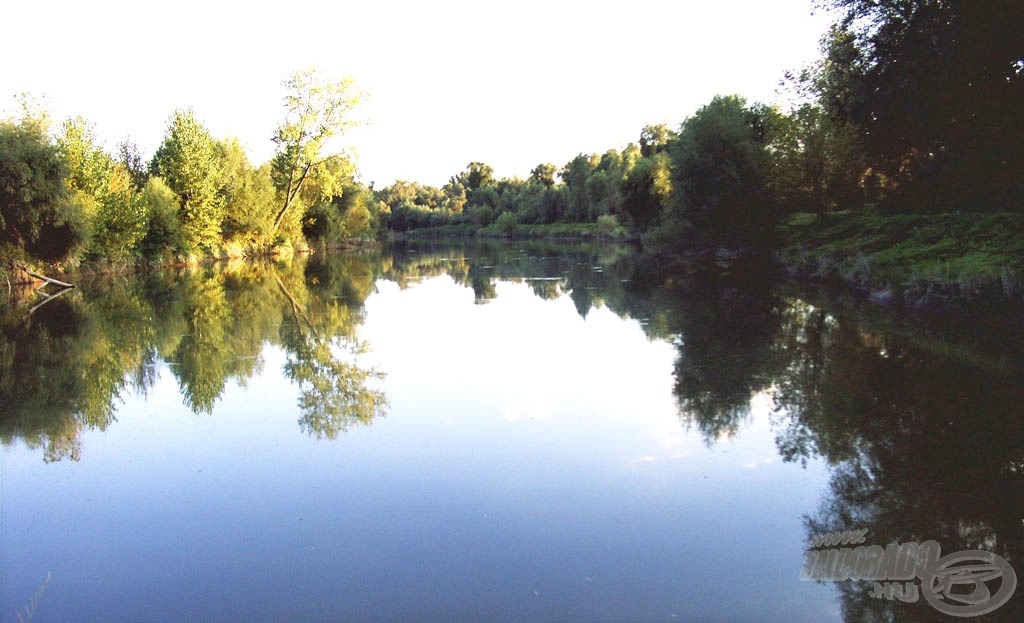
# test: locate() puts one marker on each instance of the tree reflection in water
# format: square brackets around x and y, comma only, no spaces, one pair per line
[920,424]
[65,367]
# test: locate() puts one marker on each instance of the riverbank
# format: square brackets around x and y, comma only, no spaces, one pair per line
[939,262]
[934,262]
[585,232]
[928,262]
[21,282]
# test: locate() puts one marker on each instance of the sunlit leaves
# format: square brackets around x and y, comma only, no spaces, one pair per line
[318,110]
[189,162]
[249,196]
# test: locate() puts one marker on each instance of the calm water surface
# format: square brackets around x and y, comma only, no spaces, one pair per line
[485,433]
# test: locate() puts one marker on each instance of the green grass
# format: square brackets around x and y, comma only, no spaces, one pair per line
[922,260]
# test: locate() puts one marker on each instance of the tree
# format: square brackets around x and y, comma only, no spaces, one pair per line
[816,163]
[349,215]
[189,162]
[105,190]
[248,194]
[318,111]
[36,218]
[129,156]
[477,175]
[654,139]
[719,197]
[936,88]
[645,189]
[574,175]
[88,165]
[163,230]
[543,174]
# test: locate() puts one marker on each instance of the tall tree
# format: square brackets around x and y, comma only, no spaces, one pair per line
[189,162]
[574,175]
[105,189]
[543,174]
[318,110]
[477,175]
[937,89]
[654,139]
[248,196]
[36,220]
[816,162]
[719,192]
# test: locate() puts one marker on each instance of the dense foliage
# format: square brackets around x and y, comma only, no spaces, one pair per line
[935,89]
[914,107]
[65,199]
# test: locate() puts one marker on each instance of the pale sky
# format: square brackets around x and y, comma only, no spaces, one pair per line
[512,84]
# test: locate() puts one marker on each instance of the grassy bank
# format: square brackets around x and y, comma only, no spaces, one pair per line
[939,261]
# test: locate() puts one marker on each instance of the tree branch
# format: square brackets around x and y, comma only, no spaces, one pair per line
[55,282]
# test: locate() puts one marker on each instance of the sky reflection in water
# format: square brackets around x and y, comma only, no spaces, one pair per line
[531,465]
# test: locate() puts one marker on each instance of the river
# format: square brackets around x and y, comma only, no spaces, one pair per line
[489,432]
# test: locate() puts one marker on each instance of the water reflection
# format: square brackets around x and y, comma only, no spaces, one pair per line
[921,425]
[926,443]
[65,366]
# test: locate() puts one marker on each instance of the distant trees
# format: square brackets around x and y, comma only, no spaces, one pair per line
[581,191]
[476,176]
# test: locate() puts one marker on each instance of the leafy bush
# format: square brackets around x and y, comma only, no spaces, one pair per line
[506,223]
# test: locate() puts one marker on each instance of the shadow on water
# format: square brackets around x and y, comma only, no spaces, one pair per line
[920,423]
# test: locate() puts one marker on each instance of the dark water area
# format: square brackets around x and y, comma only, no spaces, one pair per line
[498,432]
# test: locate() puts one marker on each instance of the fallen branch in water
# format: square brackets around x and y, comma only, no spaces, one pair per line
[55,282]
[47,297]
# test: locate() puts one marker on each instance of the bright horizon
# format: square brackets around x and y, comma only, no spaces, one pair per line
[509,84]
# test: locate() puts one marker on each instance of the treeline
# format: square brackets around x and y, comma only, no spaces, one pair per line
[620,189]
[65,199]
[722,178]
[914,107]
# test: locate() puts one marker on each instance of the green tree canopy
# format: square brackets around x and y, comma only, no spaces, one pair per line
[36,219]
[190,163]
[937,90]
[719,193]
[318,110]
